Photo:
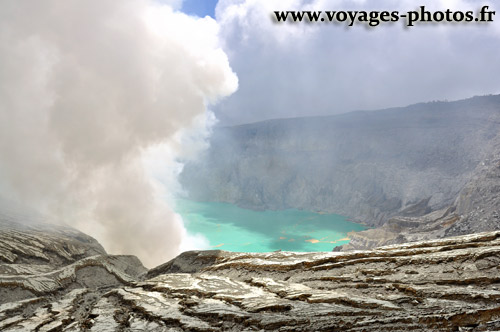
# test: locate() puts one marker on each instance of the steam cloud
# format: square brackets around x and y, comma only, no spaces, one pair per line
[87,89]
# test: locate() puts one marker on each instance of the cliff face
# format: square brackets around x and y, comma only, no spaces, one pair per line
[369,166]
[442,285]
[476,209]
[478,203]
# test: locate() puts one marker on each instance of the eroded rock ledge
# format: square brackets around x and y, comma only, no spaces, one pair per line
[450,284]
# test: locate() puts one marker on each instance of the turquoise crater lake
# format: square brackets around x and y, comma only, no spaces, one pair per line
[229,227]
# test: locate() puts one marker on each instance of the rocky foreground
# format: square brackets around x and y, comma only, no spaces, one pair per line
[58,279]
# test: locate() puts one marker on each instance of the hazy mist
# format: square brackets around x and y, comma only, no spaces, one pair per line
[87,90]
[290,69]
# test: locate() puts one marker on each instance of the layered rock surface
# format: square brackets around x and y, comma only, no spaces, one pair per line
[441,285]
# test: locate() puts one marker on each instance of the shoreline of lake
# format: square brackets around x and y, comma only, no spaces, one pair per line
[229,227]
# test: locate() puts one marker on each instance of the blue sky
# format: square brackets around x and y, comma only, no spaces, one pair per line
[199,8]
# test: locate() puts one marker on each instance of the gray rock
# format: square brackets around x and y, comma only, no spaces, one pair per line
[447,284]
[369,166]
[41,245]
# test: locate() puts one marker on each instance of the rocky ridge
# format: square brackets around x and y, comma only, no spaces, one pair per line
[476,209]
[368,166]
[425,171]
[450,284]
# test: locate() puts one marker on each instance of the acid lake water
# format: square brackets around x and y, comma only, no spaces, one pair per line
[229,227]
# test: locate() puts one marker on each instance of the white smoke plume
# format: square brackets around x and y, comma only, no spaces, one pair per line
[87,89]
